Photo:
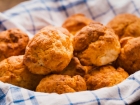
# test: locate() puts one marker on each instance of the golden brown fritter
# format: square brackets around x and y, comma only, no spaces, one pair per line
[129,57]
[96,45]
[105,76]
[13,71]
[76,22]
[12,43]
[75,68]
[125,25]
[50,50]
[61,84]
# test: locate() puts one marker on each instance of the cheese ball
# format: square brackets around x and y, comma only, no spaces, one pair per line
[50,50]
[13,71]
[129,57]
[12,42]
[61,84]
[76,22]
[125,25]
[105,76]
[96,44]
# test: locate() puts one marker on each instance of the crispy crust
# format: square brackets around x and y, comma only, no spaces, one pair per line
[75,68]
[129,57]
[61,84]
[50,50]
[76,22]
[13,71]
[105,76]
[12,42]
[125,25]
[96,45]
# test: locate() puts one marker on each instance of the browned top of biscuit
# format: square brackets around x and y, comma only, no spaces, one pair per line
[61,84]
[51,49]
[12,42]
[129,57]
[125,25]
[76,22]
[87,35]
[96,44]
[105,76]
[13,71]
[75,68]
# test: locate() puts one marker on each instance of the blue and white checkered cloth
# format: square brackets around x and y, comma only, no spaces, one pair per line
[33,15]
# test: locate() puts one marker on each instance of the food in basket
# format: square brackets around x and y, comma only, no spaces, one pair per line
[12,43]
[127,28]
[129,57]
[61,84]
[13,71]
[96,45]
[76,22]
[104,76]
[61,62]
[125,25]
[75,68]
[50,50]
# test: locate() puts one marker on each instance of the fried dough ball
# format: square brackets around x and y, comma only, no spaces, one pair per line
[13,71]
[61,84]
[75,68]
[129,57]
[76,22]
[96,45]
[50,50]
[125,25]
[12,43]
[105,76]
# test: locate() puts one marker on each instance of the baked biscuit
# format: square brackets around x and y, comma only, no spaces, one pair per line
[96,45]
[129,57]
[61,84]
[125,25]
[76,22]
[13,71]
[12,43]
[75,68]
[50,50]
[105,76]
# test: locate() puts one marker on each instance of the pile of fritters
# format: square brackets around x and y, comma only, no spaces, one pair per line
[80,55]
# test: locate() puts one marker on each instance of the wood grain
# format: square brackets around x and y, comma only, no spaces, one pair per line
[7,4]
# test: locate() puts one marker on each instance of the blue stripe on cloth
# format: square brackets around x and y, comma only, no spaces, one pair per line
[81,102]
[2,27]
[55,9]
[47,8]
[32,21]
[134,91]
[33,98]
[70,103]
[111,7]
[119,92]
[2,98]
[136,9]
[103,13]
[35,9]
[91,14]
[17,95]
[91,101]
[65,9]
[133,78]
[97,99]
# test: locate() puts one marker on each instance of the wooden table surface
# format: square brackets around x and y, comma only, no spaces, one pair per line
[7,4]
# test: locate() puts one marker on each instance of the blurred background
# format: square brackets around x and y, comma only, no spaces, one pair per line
[7,4]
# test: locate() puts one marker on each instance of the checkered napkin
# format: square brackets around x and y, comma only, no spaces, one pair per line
[33,15]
